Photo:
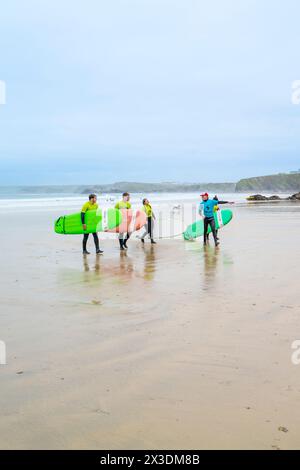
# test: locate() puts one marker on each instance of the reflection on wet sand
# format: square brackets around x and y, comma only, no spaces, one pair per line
[125,266]
[123,269]
[144,263]
[126,270]
[149,262]
[86,264]
[211,256]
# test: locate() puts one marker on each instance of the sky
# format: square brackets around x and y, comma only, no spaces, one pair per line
[148,90]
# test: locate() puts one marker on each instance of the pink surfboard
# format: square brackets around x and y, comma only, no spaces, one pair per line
[130,222]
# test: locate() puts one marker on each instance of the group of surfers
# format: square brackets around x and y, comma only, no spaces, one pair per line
[206,210]
[125,203]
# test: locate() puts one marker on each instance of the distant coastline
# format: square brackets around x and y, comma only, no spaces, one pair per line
[282,183]
[120,187]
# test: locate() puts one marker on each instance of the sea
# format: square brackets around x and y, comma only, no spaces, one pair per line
[174,212]
[68,203]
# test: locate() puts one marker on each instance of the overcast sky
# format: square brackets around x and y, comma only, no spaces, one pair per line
[148,90]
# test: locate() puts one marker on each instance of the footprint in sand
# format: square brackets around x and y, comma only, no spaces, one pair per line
[283,429]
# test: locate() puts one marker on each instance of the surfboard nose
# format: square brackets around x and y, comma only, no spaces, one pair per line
[59,225]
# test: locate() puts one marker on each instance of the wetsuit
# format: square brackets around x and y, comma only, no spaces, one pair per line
[123,237]
[87,207]
[207,208]
[147,208]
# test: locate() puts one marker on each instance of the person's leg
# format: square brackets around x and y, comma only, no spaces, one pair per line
[96,241]
[212,223]
[147,228]
[84,242]
[145,233]
[150,229]
[121,241]
[127,236]
[205,222]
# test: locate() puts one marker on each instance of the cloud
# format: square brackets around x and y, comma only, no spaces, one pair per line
[184,85]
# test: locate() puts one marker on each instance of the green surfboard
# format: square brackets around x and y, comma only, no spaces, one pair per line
[96,221]
[195,230]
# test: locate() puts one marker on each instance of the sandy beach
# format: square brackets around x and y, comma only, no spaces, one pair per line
[168,346]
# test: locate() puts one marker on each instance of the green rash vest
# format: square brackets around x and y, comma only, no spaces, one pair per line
[89,207]
[123,205]
[148,209]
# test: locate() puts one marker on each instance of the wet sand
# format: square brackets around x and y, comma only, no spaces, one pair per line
[172,346]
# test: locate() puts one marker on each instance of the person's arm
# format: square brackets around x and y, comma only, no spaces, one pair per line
[225,202]
[222,202]
[83,211]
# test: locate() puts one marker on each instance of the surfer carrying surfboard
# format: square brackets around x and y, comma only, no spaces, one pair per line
[124,204]
[147,208]
[91,204]
[206,210]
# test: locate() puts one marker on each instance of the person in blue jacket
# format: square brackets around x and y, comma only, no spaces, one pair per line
[206,210]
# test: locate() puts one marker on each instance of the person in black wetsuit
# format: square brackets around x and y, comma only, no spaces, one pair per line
[147,208]
[91,204]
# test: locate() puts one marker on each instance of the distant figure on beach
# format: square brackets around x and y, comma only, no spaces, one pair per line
[147,208]
[206,210]
[91,204]
[124,204]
